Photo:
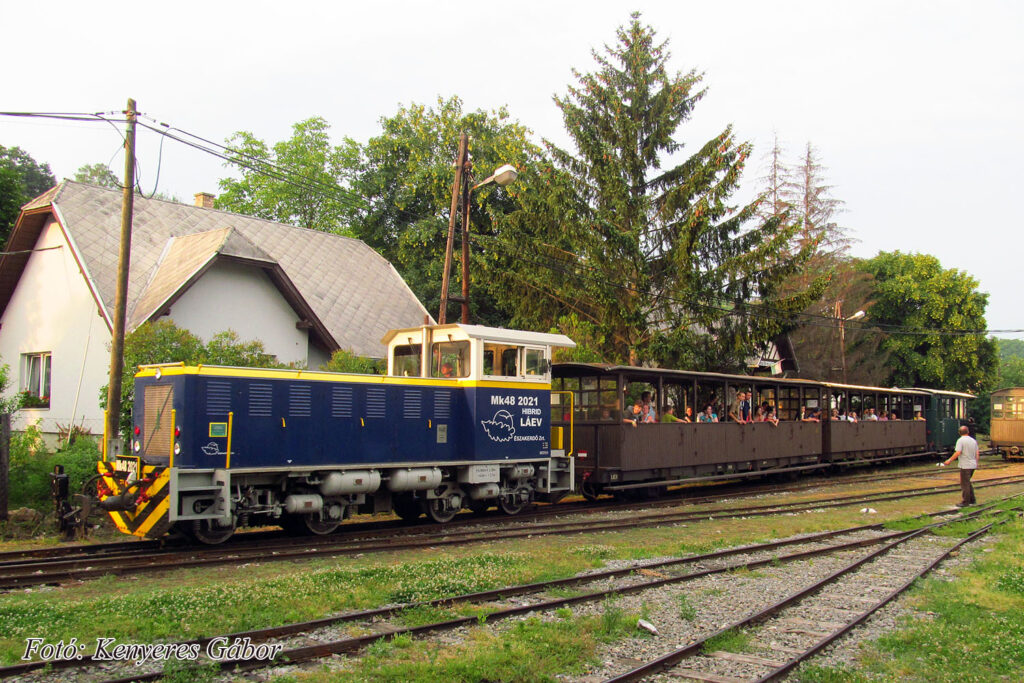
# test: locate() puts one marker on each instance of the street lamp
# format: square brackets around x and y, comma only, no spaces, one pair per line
[842,332]
[503,175]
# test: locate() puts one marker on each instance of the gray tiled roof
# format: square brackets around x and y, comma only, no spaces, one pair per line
[353,290]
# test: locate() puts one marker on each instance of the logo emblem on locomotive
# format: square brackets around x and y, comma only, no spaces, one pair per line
[500,427]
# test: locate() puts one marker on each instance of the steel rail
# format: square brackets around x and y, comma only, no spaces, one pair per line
[32,574]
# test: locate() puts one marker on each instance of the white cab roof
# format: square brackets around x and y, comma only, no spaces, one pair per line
[498,334]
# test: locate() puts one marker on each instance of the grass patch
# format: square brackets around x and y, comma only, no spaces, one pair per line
[594,552]
[827,674]
[422,614]
[687,612]
[909,523]
[529,650]
[968,629]
[189,611]
[961,529]
[732,640]
[565,592]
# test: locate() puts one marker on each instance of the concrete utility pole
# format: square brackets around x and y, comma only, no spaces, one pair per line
[121,298]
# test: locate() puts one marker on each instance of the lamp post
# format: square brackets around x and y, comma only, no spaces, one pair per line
[842,332]
[503,175]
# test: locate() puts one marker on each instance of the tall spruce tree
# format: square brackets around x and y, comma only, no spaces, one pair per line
[806,190]
[643,263]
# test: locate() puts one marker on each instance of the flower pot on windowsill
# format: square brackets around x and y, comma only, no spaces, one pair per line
[31,401]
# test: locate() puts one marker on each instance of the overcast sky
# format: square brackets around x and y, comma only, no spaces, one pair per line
[915,107]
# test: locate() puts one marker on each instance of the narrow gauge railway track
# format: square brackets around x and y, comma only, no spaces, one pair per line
[33,573]
[809,637]
[674,498]
[700,562]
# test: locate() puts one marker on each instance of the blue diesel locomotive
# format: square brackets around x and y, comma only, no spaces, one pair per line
[462,419]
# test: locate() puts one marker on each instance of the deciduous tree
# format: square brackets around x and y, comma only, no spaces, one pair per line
[405,176]
[21,179]
[97,174]
[924,308]
[163,342]
[300,181]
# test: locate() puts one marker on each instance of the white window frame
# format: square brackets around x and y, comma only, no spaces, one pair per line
[35,384]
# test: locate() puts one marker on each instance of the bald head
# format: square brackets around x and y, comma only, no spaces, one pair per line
[964,430]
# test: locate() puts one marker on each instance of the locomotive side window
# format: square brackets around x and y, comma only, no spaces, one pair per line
[535,365]
[407,360]
[501,360]
[449,359]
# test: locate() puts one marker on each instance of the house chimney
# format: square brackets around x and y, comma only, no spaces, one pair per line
[204,200]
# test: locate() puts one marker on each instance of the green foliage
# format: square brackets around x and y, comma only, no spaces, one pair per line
[656,259]
[914,291]
[97,174]
[10,403]
[21,179]
[530,650]
[423,614]
[687,612]
[406,174]
[909,523]
[163,342]
[31,464]
[346,360]
[614,623]
[312,197]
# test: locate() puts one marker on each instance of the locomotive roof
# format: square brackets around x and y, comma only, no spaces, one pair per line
[494,334]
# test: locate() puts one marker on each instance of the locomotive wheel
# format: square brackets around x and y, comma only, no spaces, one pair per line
[408,508]
[436,511]
[506,505]
[312,524]
[204,532]
[309,525]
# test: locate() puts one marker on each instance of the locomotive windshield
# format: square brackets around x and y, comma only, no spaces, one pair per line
[407,360]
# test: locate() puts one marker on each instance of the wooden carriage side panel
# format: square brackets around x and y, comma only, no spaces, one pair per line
[854,437]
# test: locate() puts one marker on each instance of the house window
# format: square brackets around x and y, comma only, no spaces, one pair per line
[35,380]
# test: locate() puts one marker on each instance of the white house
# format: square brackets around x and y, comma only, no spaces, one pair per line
[303,293]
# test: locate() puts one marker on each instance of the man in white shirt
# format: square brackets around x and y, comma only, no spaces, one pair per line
[967,455]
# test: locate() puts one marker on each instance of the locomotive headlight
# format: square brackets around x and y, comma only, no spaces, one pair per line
[137,446]
[158,374]
[177,449]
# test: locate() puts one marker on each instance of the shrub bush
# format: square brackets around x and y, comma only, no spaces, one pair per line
[32,463]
